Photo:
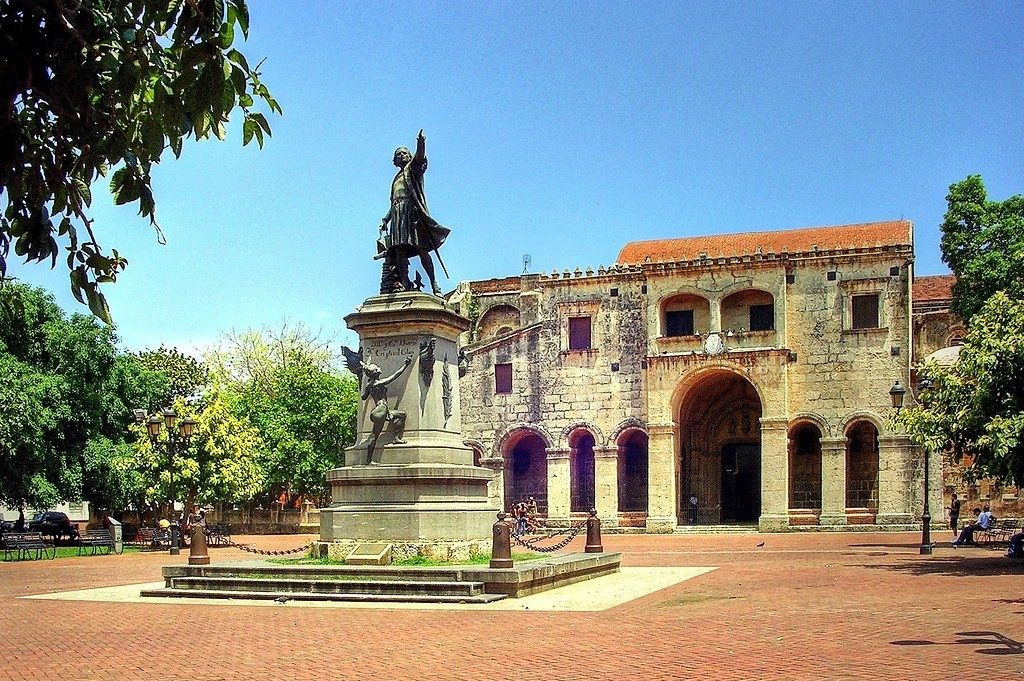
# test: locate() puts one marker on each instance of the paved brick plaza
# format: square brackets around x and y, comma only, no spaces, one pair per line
[804,606]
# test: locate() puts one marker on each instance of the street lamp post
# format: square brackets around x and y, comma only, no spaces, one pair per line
[896,393]
[168,418]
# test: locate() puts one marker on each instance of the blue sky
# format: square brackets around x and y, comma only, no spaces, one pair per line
[562,130]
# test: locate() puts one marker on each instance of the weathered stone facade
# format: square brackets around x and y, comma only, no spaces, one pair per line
[749,371]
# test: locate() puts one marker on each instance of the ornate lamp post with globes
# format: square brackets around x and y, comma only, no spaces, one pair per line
[175,438]
[897,393]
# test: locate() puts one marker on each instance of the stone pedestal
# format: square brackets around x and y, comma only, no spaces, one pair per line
[424,490]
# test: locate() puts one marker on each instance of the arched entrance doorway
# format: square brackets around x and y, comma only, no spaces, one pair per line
[632,469]
[720,442]
[526,470]
[581,471]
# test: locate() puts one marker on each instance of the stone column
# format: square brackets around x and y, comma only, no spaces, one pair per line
[558,486]
[496,487]
[896,478]
[661,478]
[714,315]
[833,481]
[606,485]
[774,474]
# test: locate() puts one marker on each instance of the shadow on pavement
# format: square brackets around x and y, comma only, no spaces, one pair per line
[1004,645]
[965,565]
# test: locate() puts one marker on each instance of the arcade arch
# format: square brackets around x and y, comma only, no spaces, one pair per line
[720,448]
[525,469]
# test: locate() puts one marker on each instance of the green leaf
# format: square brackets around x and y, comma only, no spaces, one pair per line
[249,127]
[98,304]
[242,16]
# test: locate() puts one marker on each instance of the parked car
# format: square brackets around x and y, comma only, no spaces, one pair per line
[53,524]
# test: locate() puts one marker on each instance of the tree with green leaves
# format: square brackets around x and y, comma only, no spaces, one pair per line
[983,243]
[186,374]
[286,383]
[220,463]
[975,408]
[66,394]
[93,88]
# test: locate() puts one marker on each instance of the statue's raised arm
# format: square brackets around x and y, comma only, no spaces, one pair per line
[421,148]
[407,229]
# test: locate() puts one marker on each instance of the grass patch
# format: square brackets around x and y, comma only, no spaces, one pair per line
[69,552]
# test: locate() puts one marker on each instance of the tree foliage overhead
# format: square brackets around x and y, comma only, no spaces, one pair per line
[983,243]
[90,88]
[976,408]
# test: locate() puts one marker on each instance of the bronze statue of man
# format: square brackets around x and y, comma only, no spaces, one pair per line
[407,229]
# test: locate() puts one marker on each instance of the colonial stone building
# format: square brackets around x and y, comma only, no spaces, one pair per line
[740,378]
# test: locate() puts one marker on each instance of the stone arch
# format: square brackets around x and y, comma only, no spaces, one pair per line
[812,417]
[863,415]
[525,467]
[684,313]
[632,468]
[862,464]
[478,450]
[804,450]
[735,307]
[582,468]
[517,430]
[563,437]
[692,378]
[956,335]
[623,426]
[718,412]
[495,318]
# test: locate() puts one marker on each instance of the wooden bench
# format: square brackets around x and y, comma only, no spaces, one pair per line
[98,541]
[22,544]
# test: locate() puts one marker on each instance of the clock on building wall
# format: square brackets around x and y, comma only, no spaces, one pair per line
[713,344]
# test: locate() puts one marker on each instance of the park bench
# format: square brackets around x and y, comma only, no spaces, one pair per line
[999,531]
[98,541]
[218,535]
[22,544]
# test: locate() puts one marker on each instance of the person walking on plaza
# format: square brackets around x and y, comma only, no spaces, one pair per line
[954,513]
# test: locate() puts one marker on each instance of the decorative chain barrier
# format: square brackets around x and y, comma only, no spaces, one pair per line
[264,552]
[533,545]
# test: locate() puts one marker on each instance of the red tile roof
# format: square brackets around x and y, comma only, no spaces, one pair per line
[895,232]
[937,287]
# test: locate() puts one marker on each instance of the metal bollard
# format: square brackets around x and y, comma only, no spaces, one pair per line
[197,554]
[501,543]
[593,533]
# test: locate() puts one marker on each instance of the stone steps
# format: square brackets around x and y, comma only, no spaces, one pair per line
[382,584]
[716,529]
[329,586]
[323,597]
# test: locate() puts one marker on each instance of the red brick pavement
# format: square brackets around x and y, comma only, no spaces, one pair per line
[804,606]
